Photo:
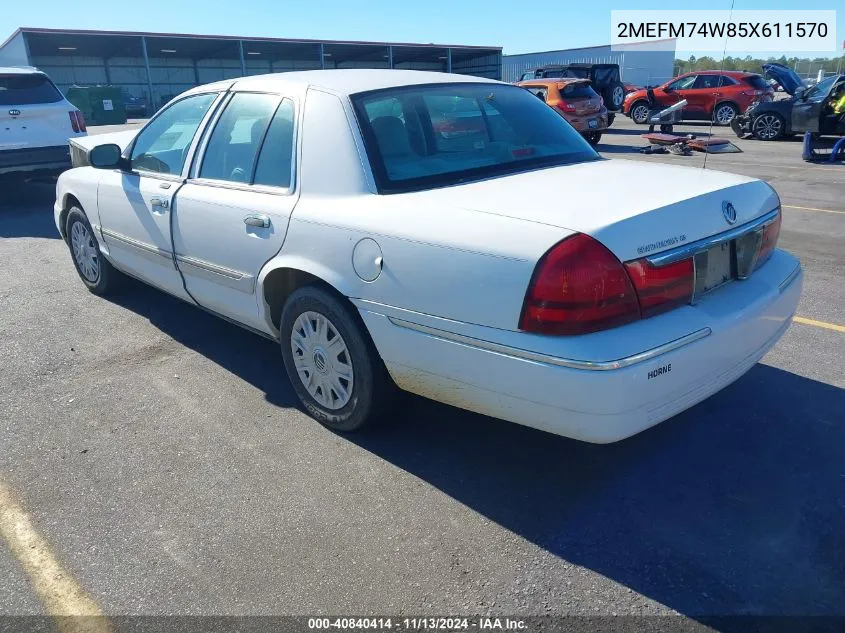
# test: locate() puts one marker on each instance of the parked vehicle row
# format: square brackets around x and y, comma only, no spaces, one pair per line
[604,78]
[448,235]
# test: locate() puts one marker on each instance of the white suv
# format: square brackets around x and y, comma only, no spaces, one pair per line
[36,122]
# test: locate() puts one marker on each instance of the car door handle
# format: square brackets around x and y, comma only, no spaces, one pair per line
[259,220]
[161,203]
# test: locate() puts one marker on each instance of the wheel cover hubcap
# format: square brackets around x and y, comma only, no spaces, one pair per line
[322,360]
[640,113]
[724,114]
[767,126]
[85,252]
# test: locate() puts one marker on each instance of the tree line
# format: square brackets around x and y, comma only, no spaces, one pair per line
[804,66]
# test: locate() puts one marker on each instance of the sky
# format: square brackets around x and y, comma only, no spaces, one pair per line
[519,27]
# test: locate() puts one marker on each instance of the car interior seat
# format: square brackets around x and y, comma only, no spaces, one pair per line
[392,136]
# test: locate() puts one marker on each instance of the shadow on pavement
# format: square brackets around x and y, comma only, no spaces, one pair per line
[249,356]
[26,209]
[736,507]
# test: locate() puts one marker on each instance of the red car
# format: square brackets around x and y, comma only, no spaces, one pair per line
[711,95]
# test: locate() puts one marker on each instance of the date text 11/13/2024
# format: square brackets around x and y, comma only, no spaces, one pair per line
[416,624]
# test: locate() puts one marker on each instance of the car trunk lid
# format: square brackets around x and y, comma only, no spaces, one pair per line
[785,76]
[633,208]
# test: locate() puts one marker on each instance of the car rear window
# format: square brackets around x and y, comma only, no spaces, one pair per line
[756,82]
[427,136]
[578,91]
[27,89]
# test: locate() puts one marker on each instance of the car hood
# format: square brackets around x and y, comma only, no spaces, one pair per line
[632,207]
[784,75]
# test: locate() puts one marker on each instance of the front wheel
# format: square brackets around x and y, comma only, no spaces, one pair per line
[95,271]
[767,127]
[331,362]
[639,112]
[724,113]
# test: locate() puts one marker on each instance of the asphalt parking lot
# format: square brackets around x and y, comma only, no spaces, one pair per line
[160,454]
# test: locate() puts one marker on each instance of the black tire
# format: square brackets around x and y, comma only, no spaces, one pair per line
[614,95]
[593,138]
[667,129]
[611,117]
[639,112]
[79,233]
[372,389]
[768,126]
[724,113]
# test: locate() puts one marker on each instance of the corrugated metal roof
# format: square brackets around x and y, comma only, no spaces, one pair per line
[34,30]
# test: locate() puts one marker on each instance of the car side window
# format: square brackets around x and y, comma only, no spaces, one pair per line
[683,83]
[706,81]
[724,80]
[276,155]
[162,146]
[232,148]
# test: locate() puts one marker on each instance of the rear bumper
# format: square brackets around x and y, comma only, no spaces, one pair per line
[582,122]
[30,159]
[613,399]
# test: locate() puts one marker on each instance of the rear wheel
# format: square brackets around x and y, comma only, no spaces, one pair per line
[332,364]
[639,112]
[94,270]
[611,117]
[767,127]
[593,138]
[724,113]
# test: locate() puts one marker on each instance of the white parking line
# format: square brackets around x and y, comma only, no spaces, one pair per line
[60,594]
[789,206]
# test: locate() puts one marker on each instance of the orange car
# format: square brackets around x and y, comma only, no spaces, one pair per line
[576,101]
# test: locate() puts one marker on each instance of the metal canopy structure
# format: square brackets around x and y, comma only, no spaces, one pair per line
[159,65]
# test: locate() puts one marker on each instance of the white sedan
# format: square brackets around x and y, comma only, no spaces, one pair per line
[449,235]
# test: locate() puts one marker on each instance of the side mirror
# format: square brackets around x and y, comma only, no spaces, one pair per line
[105,156]
[668,89]
[800,92]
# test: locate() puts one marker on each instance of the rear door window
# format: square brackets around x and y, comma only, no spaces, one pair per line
[27,90]
[539,92]
[275,160]
[706,81]
[233,146]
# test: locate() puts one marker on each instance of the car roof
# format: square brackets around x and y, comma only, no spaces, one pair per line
[560,82]
[341,81]
[729,73]
[19,70]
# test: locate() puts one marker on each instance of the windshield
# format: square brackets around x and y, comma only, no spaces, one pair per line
[421,137]
[821,88]
[27,89]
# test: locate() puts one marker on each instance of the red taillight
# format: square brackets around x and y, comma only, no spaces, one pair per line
[770,239]
[662,288]
[565,106]
[578,286]
[73,121]
[81,119]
